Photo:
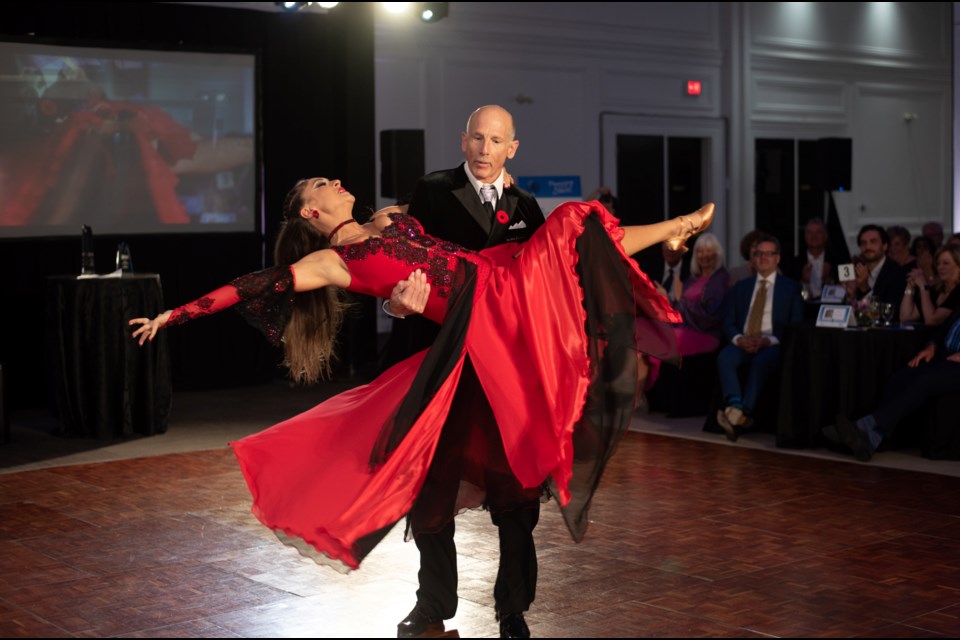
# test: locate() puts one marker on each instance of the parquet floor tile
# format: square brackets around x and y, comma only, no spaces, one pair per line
[687,539]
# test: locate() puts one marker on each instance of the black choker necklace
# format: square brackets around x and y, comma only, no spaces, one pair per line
[338,227]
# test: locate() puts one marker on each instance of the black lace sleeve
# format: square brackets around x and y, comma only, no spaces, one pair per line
[263,298]
[266,300]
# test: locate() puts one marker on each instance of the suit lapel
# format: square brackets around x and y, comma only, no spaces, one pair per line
[468,198]
[779,311]
[507,204]
[746,299]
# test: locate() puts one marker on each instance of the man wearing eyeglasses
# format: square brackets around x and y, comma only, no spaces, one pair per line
[756,313]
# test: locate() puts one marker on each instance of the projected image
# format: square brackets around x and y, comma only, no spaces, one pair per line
[125,141]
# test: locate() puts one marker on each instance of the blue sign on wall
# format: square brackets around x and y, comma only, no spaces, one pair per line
[565,187]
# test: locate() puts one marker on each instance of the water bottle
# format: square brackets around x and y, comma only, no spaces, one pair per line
[124,261]
[87,265]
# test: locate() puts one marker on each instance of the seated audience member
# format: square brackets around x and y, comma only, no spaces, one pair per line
[877,277]
[673,268]
[933,372]
[924,301]
[814,267]
[934,231]
[747,269]
[757,311]
[923,250]
[700,298]
[899,248]
[954,240]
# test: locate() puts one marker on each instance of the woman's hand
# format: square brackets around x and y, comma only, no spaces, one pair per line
[917,279]
[924,356]
[149,328]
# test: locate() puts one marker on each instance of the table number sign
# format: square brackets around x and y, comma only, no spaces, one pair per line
[846,272]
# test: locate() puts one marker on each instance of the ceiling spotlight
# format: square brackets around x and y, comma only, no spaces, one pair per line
[312,6]
[395,8]
[434,11]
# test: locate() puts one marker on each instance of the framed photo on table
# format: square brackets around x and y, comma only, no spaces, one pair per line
[834,315]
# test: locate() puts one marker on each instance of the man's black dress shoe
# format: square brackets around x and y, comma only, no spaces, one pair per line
[418,623]
[857,440]
[512,625]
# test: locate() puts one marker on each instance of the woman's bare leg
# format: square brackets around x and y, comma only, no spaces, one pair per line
[639,237]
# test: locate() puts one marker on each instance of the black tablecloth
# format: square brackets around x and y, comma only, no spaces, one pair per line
[830,371]
[105,385]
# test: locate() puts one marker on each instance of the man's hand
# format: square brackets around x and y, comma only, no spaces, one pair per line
[410,295]
[863,276]
[382,213]
[954,357]
[805,274]
[753,345]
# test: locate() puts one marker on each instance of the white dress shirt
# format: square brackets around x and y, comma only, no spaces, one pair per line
[498,183]
[766,325]
[816,274]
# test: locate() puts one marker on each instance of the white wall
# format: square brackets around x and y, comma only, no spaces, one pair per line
[854,69]
[801,70]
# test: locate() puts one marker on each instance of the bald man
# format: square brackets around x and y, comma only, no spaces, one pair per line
[469,205]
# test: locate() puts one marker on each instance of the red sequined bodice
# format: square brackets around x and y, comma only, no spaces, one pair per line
[377,264]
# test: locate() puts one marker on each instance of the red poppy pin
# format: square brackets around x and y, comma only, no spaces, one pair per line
[48,107]
[502,217]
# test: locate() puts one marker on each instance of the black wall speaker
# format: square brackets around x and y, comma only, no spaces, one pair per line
[834,160]
[401,161]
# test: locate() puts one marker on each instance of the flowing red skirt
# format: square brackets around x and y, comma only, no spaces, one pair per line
[537,353]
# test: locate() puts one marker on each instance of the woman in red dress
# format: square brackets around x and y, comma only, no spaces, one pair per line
[537,352]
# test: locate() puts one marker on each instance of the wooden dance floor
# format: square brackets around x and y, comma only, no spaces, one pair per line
[689,539]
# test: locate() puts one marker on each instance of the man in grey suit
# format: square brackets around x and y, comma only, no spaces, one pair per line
[453,205]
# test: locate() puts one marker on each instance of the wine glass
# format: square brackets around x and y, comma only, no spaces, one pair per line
[872,312]
[887,311]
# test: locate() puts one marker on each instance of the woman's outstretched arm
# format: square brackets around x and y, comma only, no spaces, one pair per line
[314,271]
[317,270]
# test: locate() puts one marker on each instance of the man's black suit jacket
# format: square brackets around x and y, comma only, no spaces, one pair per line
[652,262]
[890,284]
[449,208]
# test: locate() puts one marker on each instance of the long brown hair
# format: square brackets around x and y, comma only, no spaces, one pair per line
[310,335]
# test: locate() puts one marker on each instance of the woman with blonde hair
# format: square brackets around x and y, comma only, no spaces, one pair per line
[700,298]
[924,301]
